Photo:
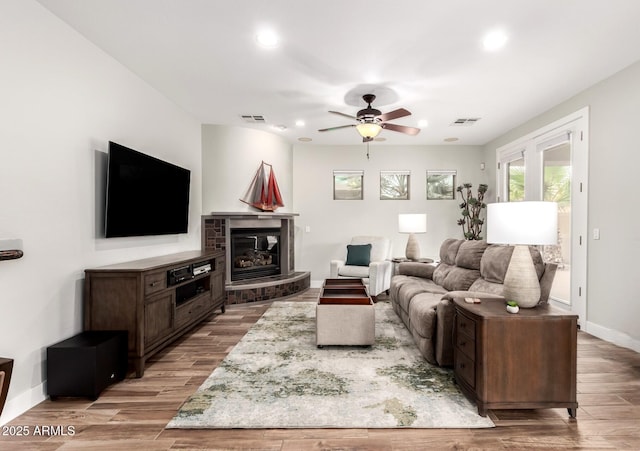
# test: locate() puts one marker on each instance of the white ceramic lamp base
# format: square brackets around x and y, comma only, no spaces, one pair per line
[521,280]
[412,252]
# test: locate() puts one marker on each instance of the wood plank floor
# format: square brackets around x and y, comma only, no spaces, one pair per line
[131,415]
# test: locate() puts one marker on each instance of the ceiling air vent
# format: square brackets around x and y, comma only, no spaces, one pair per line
[465,122]
[253,118]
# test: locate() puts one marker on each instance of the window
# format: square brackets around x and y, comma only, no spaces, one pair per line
[347,185]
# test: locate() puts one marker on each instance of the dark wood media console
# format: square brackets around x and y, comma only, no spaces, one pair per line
[156,299]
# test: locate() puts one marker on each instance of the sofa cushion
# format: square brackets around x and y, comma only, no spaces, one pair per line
[415,286]
[470,253]
[538,262]
[440,273]
[460,279]
[494,263]
[449,250]
[496,258]
[484,286]
[358,254]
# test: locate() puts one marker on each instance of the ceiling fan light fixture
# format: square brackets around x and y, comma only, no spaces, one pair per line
[368,129]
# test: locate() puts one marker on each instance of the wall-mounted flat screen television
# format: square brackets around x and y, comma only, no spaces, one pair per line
[145,195]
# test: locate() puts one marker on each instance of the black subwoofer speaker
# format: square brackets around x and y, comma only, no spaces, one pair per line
[84,365]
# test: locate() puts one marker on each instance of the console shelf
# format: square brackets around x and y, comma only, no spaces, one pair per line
[141,297]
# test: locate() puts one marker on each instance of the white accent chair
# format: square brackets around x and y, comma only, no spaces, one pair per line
[377,276]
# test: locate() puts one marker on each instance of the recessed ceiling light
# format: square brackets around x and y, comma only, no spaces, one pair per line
[304,139]
[267,39]
[494,40]
[450,140]
[299,123]
[423,123]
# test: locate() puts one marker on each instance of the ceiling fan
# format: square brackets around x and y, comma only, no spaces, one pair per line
[371,121]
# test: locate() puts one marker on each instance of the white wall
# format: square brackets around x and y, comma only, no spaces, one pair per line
[613,287]
[230,158]
[332,223]
[62,101]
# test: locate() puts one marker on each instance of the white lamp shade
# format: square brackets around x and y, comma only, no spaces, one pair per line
[522,223]
[412,223]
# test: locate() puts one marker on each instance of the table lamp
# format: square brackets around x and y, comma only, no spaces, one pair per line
[411,224]
[522,224]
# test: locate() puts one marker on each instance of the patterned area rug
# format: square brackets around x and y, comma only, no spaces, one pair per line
[276,377]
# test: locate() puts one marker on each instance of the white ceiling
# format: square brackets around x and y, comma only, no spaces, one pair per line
[423,55]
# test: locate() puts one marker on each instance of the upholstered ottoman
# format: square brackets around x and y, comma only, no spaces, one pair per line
[345,315]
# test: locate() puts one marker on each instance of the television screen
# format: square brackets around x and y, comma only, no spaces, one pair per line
[145,195]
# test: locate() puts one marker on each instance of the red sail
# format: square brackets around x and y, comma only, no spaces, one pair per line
[274,196]
[263,193]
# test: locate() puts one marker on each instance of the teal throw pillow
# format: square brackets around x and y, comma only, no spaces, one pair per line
[358,254]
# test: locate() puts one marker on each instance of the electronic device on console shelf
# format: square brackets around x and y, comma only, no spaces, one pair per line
[201,268]
[177,275]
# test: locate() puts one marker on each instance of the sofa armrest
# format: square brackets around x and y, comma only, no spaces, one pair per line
[379,277]
[546,281]
[424,270]
[443,351]
[335,267]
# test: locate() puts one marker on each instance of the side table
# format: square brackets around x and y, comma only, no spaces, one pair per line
[525,360]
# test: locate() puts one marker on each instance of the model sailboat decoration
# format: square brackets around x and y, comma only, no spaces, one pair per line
[263,193]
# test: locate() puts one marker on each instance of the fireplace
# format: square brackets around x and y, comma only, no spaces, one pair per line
[259,255]
[255,253]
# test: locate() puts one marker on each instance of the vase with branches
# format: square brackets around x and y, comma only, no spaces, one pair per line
[472,207]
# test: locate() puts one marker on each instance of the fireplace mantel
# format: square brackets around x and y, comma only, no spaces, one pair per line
[253,215]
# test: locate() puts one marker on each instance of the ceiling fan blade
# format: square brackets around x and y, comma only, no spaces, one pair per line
[395,114]
[336,128]
[345,115]
[401,128]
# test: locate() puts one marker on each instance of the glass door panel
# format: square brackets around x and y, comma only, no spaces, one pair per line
[515,182]
[556,187]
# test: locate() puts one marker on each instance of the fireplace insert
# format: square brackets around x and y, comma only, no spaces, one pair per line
[255,253]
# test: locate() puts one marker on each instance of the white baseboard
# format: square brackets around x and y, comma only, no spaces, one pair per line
[18,405]
[613,336]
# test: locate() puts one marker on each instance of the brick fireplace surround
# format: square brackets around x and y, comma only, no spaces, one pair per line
[216,235]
